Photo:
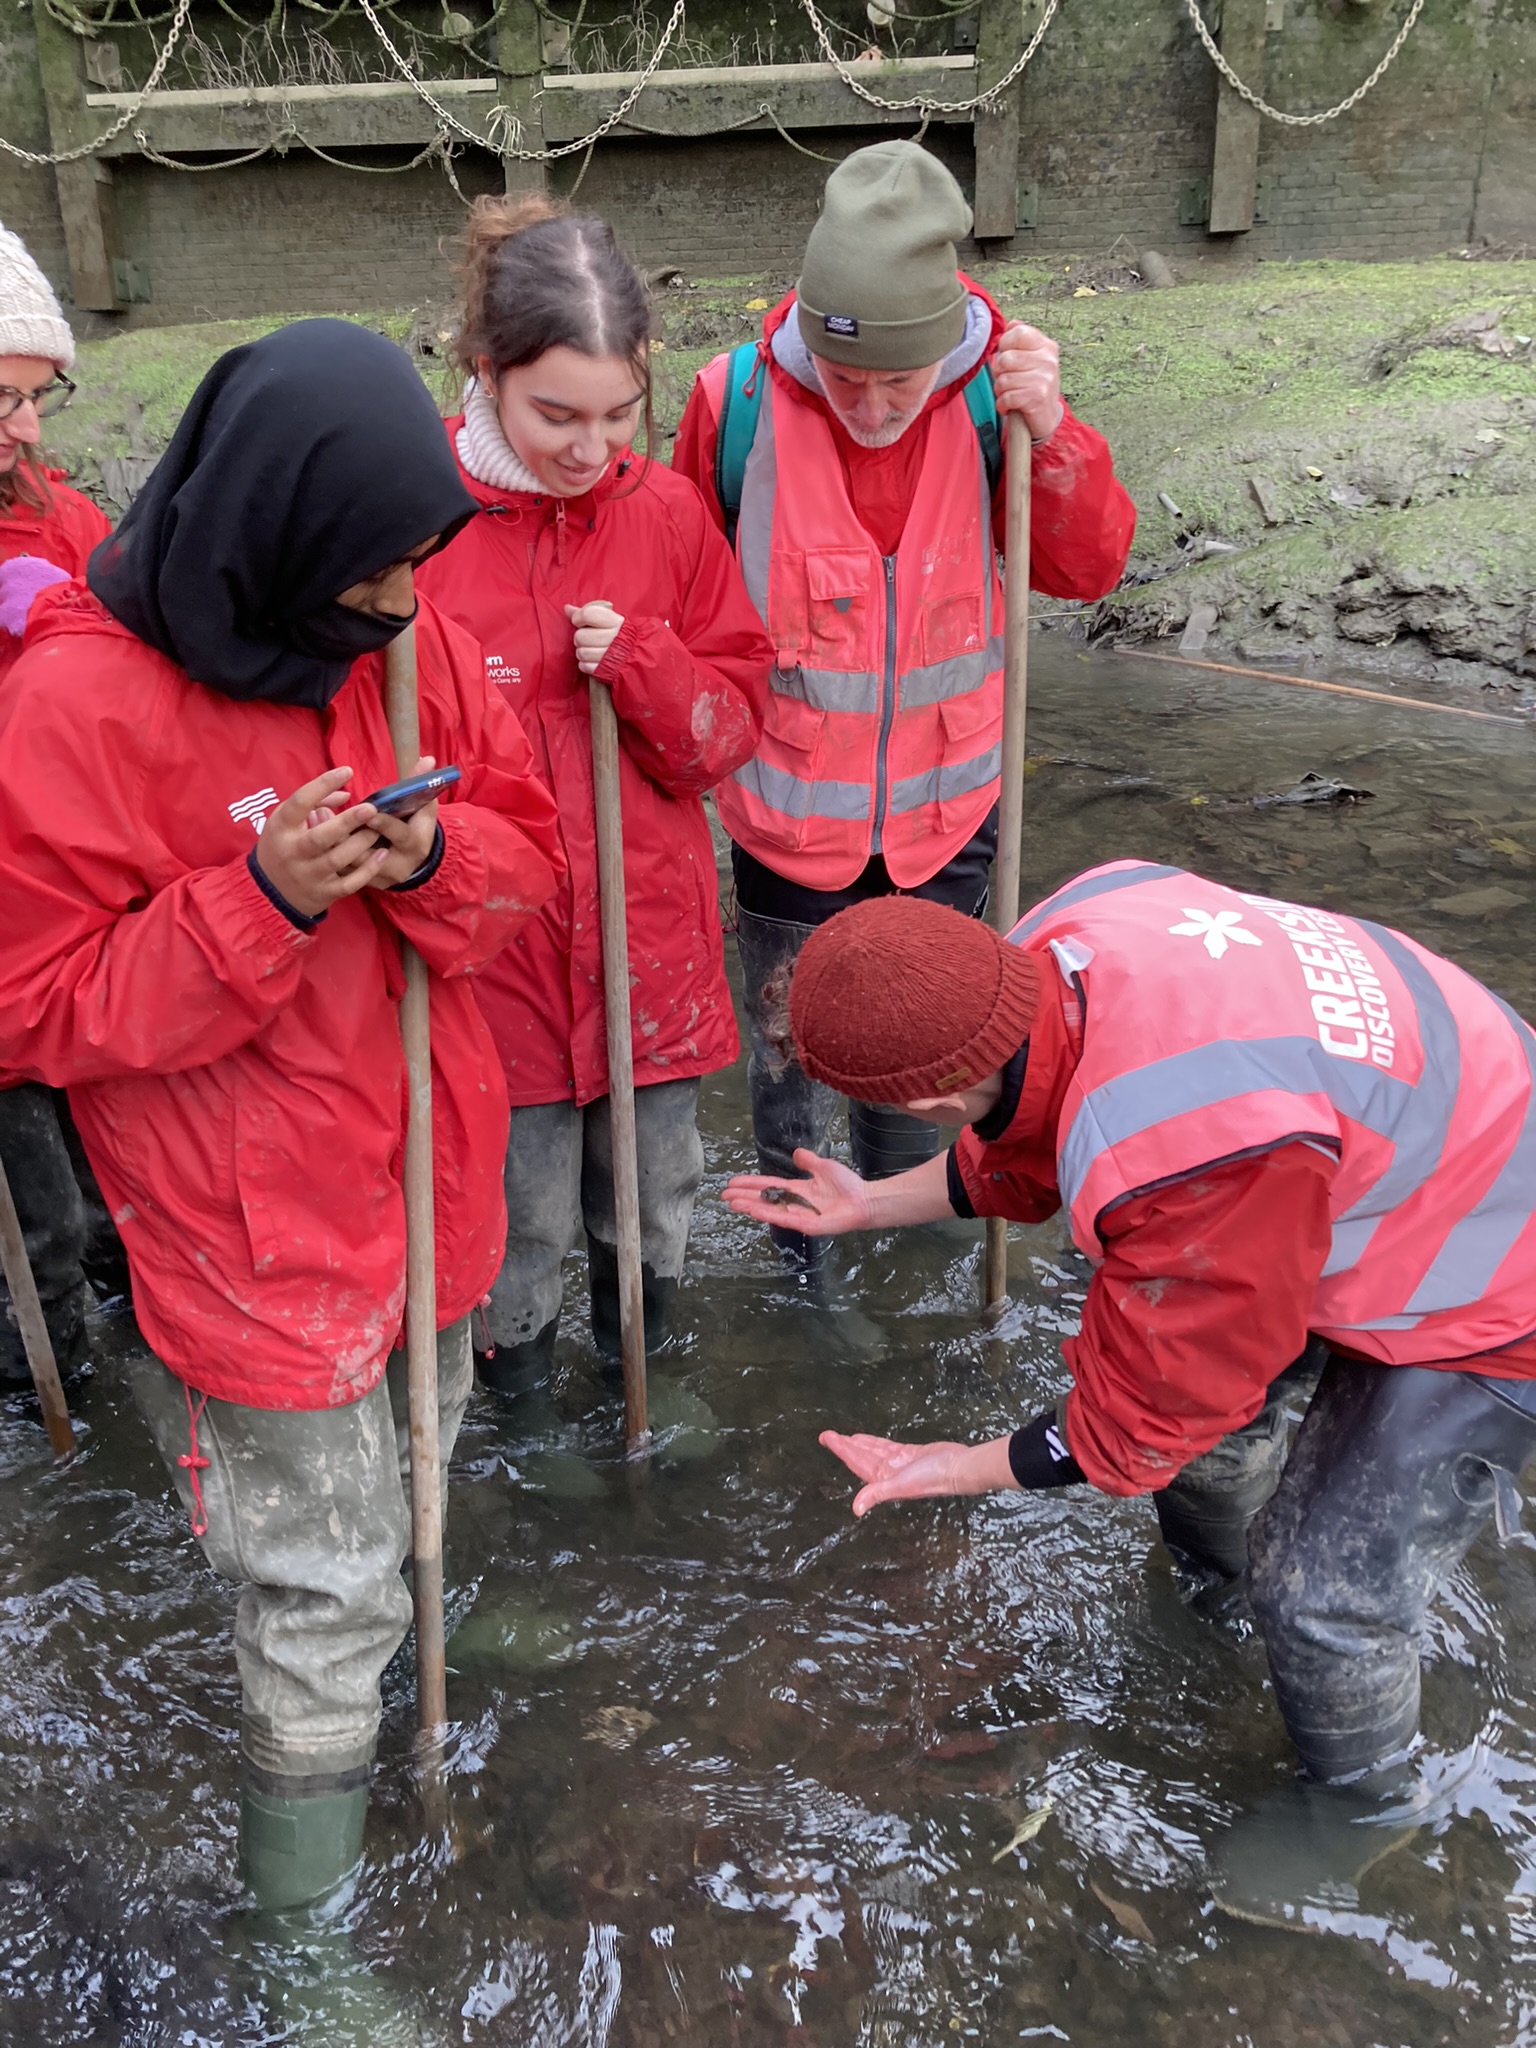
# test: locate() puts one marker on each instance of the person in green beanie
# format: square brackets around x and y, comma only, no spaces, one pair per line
[854,453]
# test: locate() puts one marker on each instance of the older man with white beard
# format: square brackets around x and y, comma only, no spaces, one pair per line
[855,455]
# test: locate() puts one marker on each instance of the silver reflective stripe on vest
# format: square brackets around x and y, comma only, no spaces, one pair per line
[1085,891]
[797,798]
[938,785]
[1478,1245]
[953,677]
[1417,1149]
[754,521]
[1208,1074]
[830,689]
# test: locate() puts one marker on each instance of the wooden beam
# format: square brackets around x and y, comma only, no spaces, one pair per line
[389,116]
[520,59]
[709,101]
[85,187]
[1235,162]
[999,39]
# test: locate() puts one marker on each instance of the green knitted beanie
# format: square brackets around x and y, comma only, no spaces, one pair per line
[878,288]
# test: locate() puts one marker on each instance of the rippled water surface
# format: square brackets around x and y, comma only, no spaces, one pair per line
[729,1769]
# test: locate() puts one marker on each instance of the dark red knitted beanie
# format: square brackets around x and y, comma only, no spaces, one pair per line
[897,999]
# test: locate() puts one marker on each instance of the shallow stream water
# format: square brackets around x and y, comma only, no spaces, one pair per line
[728,1768]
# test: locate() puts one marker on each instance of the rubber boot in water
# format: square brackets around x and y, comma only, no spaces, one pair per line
[1297,1861]
[517,1370]
[301,1843]
[658,1294]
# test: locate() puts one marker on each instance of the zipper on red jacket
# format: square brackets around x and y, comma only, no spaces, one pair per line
[560,532]
[887,703]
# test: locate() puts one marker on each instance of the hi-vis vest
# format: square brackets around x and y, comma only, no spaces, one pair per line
[884,721]
[1216,1024]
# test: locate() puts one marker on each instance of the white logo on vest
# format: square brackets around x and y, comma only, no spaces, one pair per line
[1218,930]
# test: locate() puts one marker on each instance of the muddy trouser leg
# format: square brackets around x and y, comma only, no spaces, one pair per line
[1393,1473]
[52,1217]
[1205,1514]
[790,1111]
[455,1378]
[543,1183]
[671,1159]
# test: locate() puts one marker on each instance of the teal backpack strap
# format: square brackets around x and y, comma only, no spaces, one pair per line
[981,404]
[740,404]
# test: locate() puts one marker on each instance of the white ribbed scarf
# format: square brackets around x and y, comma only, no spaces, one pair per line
[484,449]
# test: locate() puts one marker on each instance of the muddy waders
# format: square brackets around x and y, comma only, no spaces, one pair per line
[52,1211]
[308,1510]
[1393,1474]
[559,1182]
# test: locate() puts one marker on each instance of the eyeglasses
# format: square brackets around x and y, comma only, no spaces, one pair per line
[48,399]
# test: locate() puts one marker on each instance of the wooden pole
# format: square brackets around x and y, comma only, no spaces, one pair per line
[1275,675]
[1010,822]
[621,1063]
[34,1330]
[420,1259]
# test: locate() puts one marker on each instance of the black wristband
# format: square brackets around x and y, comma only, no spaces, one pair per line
[428,868]
[278,900]
[1038,1456]
[959,1200]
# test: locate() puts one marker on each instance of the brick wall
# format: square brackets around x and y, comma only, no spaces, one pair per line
[1118,116]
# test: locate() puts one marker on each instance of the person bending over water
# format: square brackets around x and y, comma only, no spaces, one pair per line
[1275,1131]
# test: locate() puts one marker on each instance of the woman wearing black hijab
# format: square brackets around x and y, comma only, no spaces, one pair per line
[203,946]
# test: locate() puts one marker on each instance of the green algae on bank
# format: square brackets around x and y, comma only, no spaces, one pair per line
[1363,434]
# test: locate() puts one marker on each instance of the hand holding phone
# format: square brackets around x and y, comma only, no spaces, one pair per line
[404,814]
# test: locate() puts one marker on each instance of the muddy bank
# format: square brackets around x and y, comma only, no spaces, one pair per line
[1330,461]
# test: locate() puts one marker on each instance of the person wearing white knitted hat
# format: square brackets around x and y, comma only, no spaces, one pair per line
[47,532]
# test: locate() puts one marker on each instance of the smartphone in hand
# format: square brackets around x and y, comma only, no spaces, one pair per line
[404,799]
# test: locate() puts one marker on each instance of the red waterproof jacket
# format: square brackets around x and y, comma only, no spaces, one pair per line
[689,676]
[1206,1287]
[63,534]
[1081,517]
[238,1083]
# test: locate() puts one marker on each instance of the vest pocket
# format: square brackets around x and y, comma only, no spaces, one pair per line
[970,756]
[782,774]
[840,586]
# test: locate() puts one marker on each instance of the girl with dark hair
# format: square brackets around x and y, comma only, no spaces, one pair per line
[583,560]
[203,930]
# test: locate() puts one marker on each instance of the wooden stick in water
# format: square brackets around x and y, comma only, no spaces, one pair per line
[1275,675]
[420,1266]
[34,1329]
[621,1063]
[1010,823]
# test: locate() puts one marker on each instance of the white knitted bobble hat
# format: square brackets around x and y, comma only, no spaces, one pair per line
[31,321]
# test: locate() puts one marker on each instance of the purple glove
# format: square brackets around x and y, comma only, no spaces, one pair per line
[21,579]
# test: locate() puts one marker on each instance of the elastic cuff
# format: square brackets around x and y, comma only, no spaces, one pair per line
[959,1200]
[622,646]
[428,868]
[298,918]
[1038,1456]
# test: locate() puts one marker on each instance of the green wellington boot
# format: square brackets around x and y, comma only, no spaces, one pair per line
[1298,1860]
[298,1853]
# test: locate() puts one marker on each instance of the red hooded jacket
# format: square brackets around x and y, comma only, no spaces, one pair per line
[1081,517]
[689,676]
[238,1083]
[64,534]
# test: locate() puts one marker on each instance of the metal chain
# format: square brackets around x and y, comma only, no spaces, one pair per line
[508,149]
[1192,7]
[983,101]
[70,156]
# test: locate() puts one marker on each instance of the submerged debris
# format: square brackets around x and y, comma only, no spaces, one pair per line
[618,1728]
[1026,1830]
[1315,789]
